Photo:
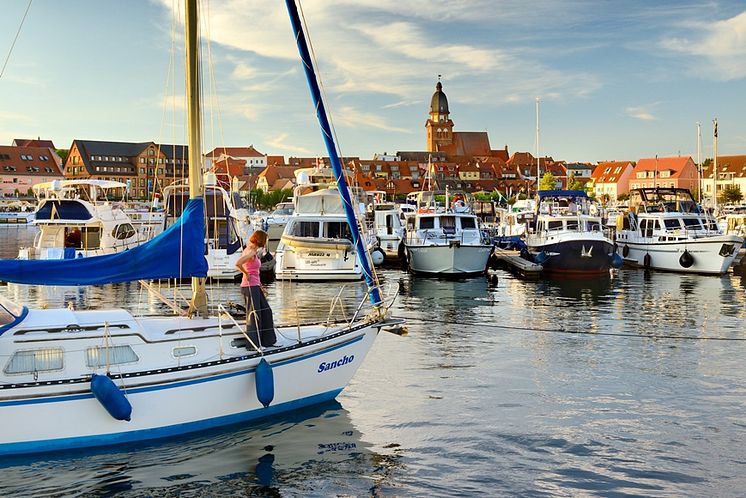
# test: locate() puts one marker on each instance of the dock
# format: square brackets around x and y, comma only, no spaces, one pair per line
[514,262]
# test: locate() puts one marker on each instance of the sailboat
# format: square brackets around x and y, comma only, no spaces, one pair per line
[73,379]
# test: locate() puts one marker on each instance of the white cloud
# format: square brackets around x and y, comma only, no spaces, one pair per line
[722,44]
[352,117]
[402,103]
[278,143]
[640,113]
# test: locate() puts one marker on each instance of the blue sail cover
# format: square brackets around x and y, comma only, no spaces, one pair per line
[177,252]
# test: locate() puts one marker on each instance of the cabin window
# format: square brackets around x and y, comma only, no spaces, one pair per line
[123,231]
[448,224]
[427,223]
[692,224]
[91,238]
[183,351]
[572,224]
[672,224]
[593,226]
[468,223]
[554,225]
[338,230]
[37,360]
[117,355]
[305,229]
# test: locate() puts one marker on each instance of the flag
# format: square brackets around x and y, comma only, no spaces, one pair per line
[715,123]
[54,214]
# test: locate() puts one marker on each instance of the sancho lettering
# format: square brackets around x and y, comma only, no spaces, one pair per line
[324,366]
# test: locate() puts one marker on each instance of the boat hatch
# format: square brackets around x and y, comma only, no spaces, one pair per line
[11,314]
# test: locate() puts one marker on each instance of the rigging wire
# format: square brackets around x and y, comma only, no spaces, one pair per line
[575,332]
[12,45]
[360,225]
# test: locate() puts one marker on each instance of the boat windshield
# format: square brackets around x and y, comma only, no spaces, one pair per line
[10,313]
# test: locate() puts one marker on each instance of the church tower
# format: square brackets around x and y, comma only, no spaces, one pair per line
[439,127]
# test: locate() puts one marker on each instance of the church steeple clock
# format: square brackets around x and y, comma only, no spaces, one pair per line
[439,126]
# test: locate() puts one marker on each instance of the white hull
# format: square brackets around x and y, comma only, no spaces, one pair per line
[169,396]
[390,244]
[449,260]
[316,259]
[706,253]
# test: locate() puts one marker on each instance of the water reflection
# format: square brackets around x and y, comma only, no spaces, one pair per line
[287,452]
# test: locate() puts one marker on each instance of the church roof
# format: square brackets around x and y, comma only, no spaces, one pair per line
[439,102]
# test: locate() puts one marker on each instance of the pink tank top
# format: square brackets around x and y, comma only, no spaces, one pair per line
[252,268]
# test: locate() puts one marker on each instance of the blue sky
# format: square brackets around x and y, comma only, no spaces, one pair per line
[618,80]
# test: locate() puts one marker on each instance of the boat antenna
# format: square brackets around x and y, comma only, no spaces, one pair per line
[715,165]
[313,86]
[198,302]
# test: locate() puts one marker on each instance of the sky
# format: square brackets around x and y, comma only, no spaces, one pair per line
[617,80]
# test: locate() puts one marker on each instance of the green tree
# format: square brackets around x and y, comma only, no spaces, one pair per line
[548,182]
[574,184]
[623,197]
[63,153]
[730,194]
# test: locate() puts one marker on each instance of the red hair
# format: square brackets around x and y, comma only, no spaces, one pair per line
[259,238]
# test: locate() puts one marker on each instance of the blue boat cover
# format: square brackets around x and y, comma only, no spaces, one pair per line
[177,252]
[561,193]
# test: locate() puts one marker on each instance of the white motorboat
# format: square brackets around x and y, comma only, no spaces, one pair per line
[445,242]
[79,218]
[317,243]
[16,212]
[389,230]
[73,379]
[667,230]
[569,238]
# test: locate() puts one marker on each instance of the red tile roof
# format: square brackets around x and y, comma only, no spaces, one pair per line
[675,165]
[610,172]
[736,165]
[31,161]
[249,151]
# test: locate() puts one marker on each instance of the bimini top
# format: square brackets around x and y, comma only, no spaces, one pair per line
[103,184]
[561,193]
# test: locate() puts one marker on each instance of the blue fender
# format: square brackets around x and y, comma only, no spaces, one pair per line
[265,383]
[616,260]
[111,397]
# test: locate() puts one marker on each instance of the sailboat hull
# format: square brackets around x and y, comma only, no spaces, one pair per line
[216,387]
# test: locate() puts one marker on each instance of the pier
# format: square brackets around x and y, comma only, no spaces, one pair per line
[514,262]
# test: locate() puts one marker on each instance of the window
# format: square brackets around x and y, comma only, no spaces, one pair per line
[37,360]
[338,230]
[448,224]
[692,224]
[305,229]
[672,224]
[468,223]
[427,223]
[572,224]
[113,355]
[554,225]
[123,231]
[184,351]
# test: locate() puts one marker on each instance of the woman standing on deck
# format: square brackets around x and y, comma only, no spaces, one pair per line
[260,325]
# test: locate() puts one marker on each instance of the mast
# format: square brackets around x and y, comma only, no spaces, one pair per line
[715,165]
[699,160]
[198,302]
[537,146]
[313,86]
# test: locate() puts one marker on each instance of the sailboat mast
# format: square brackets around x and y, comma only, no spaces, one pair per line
[538,173]
[715,165]
[199,294]
[313,85]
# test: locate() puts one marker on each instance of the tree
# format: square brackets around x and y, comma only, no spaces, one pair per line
[548,182]
[730,194]
[63,153]
[574,184]
[623,197]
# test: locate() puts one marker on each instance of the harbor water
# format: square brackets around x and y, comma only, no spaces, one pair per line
[628,386]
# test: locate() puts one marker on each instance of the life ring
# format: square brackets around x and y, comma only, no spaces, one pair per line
[625,250]
[686,260]
[646,260]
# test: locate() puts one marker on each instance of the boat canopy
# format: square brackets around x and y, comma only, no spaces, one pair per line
[178,252]
[561,193]
[327,201]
